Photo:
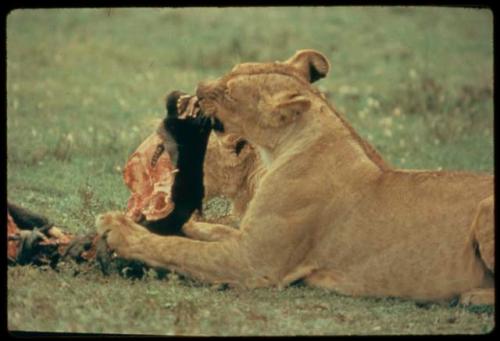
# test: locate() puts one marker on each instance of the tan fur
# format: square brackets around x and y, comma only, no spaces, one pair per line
[328,209]
[229,174]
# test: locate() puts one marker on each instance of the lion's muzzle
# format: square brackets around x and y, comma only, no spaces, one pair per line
[208,93]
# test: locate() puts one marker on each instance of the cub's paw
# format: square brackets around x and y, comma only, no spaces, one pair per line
[122,234]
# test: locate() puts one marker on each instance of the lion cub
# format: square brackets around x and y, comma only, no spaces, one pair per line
[231,169]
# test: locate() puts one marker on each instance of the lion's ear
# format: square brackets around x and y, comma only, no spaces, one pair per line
[287,109]
[312,64]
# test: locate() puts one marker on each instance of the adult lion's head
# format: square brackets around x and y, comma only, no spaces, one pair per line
[255,99]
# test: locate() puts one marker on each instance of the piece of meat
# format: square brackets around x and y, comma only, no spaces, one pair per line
[149,174]
[13,235]
[37,245]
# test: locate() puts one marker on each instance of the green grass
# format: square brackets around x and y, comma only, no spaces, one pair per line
[92,303]
[85,86]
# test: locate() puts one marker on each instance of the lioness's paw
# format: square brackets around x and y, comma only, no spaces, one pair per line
[106,221]
[121,233]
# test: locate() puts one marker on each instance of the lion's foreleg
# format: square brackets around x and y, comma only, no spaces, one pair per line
[211,262]
[208,231]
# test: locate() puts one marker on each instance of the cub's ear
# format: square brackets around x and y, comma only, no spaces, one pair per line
[286,109]
[311,63]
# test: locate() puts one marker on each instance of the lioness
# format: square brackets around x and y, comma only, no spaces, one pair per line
[328,209]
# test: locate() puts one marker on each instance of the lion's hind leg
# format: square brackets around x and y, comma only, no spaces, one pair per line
[479,296]
[483,232]
[483,237]
[334,280]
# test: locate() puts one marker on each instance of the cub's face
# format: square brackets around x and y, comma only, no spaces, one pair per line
[229,162]
[255,99]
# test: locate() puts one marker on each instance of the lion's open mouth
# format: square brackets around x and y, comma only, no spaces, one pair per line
[206,94]
[207,107]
